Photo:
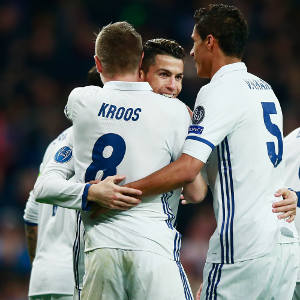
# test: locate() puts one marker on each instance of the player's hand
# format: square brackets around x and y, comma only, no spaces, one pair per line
[108,194]
[184,201]
[198,294]
[287,206]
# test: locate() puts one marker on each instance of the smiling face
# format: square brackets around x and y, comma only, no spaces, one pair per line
[201,54]
[165,75]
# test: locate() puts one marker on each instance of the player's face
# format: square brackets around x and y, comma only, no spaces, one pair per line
[201,55]
[165,76]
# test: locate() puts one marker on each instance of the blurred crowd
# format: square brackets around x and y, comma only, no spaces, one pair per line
[47,49]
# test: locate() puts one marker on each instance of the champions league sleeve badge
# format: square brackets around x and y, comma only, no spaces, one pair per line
[63,155]
[198,114]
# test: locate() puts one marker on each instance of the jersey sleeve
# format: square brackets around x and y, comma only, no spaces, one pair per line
[31,212]
[54,185]
[70,108]
[184,120]
[214,117]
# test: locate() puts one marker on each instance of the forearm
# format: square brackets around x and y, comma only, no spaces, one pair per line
[195,191]
[31,239]
[52,189]
[175,175]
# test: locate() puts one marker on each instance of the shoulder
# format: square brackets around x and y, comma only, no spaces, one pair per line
[63,137]
[293,136]
[85,91]
[63,145]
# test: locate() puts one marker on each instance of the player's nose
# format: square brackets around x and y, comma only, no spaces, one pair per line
[171,83]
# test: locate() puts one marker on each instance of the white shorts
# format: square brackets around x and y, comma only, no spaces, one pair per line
[116,274]
[51,297]
[269,277]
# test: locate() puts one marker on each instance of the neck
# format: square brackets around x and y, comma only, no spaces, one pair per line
[130,77]
[221,62]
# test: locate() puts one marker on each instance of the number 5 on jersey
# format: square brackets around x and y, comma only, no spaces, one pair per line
[106,164]
[269,109]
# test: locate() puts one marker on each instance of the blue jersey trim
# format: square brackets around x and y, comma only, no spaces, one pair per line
[30,223]
[186,287]
[218,280]
[232,199]
[228,204]
[85,205]
[212,284]
[298,195]
[199,139]
[76,251]
[223,205]
[209,281]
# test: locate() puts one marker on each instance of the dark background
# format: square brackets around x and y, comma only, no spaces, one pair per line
[46,50]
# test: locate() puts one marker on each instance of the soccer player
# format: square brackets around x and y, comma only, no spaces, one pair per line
[292,174]
[142,241]
[163,66]
[237,133]
[51,230]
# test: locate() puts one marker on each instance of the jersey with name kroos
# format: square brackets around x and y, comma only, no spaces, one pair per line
[237,132]
[52,269]
[126,128]
[292,172]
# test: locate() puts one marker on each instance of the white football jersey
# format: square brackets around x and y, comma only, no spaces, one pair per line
[237,132]
[125,128]
[52,269]
[292,172]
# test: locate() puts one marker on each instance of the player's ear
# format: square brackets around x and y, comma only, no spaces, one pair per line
[142,75]
[141,60]
[210,41]
[98,64]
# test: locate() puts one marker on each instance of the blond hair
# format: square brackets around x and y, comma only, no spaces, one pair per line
[119,48]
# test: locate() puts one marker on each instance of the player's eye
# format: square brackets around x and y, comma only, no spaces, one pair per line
[164,74]
[179,77]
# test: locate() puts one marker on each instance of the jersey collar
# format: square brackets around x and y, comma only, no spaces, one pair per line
[239,66]
[127,86]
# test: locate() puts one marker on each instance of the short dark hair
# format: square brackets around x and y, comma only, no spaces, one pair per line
[119,48]
[160,46]
[227,24]
[93,77]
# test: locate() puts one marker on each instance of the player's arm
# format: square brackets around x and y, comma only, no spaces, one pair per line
[31,225]
[31,232]
[195,191]
[287,206]
[212,122]
[54,185]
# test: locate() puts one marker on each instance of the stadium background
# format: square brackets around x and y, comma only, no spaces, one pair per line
[46,51]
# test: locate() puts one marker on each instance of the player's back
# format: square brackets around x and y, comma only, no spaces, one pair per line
[127,129]
[245,168]
[52,269]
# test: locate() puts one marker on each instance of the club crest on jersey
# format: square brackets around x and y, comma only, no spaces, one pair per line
[63,155]
[198,114]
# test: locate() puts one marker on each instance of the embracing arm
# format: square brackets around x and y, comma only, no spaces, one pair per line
[195,191]
[177,174]
[287,206]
